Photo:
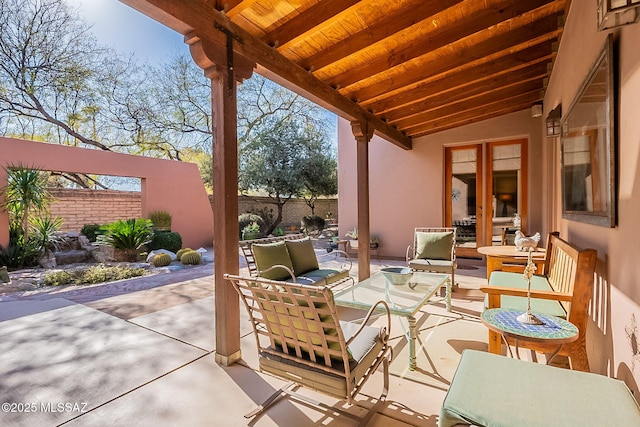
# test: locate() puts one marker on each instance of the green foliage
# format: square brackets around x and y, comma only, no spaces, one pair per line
[320,175]
[161,260]
[169,240]
[247,218]
[251,231]
[127,235]
[45,233]
[312,224]
[91,231]
[191,258]
[161,220]
[92,275]
[26,193]
[181,252]
[17,256]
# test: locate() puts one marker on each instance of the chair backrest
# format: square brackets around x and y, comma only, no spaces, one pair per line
[245,249]
[435,230]
[296,322]
[570,270]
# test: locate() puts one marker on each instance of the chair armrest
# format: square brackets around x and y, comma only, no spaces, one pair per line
[336,252]
[284,267]
[408,256]
[517,292]
[368,317]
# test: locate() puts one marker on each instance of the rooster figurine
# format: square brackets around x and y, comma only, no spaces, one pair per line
[523,243]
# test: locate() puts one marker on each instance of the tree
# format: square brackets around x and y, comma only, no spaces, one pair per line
[320,177]
[276,160]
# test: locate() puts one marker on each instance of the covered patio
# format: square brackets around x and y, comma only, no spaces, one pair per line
[410,81]
[141,352]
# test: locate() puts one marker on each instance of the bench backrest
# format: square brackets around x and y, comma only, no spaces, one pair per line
[245,249]
[570,270]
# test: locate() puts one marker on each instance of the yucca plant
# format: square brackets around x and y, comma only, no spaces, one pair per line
[45,233]
[128,236]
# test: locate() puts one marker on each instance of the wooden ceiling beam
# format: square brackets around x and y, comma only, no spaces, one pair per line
[416,12]
[483,52]
[317,16]
[475,88]
[201,17]
[478,17]
[424,88]
[495,109]
[471,102]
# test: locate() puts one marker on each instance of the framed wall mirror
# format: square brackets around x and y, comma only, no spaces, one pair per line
[588,147]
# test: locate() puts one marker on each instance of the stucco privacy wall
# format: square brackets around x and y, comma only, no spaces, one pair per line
[614,331]
[406,187]
[166,185]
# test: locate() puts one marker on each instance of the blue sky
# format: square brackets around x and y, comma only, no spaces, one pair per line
[125,29]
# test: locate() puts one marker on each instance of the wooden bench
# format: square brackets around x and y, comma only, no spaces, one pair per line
[563,289]
[490,390]
[292,258]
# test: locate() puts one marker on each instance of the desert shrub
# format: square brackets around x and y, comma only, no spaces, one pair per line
[168,240]
[91,231]
[312,224]
[127,235]
[161,220]
[92,275]
[19,253]
[44,232]
[247,219]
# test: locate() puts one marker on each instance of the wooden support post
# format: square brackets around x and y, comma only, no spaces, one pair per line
[224,69]
[363,133]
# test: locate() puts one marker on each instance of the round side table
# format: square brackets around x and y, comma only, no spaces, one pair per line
[553,330]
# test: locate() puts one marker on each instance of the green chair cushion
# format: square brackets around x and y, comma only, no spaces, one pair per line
[327,274]
[303,256]
[517,280]
[492,390]
[269,254]
[434,245]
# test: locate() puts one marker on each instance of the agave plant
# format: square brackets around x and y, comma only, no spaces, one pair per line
[127,235]
[45,233]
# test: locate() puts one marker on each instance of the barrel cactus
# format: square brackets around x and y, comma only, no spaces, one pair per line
[181,252]
[161,260]
[191,258]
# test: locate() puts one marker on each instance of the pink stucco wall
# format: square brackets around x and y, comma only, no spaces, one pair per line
[406,187]
[166,185]
[613,334]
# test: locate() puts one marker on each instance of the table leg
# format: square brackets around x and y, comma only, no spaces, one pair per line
[412,342]
[449,289]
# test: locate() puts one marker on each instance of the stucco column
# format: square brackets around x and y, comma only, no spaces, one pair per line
[363,134]
[224,69]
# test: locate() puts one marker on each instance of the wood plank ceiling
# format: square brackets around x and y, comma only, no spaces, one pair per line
[422,66]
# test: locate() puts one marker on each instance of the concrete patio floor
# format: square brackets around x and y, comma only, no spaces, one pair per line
[141,353]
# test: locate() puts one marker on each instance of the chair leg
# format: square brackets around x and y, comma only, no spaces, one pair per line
[383,397]
[282,391]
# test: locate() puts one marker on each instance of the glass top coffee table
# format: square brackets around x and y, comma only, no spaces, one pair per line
[404,300]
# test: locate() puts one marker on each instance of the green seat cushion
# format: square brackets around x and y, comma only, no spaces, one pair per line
[492,390]
[326,274]
[303,256]
[434,245]
[269,254]
[517,280]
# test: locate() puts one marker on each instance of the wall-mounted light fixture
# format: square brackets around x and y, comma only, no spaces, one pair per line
[614,13]
[553,121]
[536,110]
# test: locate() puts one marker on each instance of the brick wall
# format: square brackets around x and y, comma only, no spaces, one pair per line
[293,211]
[80,207]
